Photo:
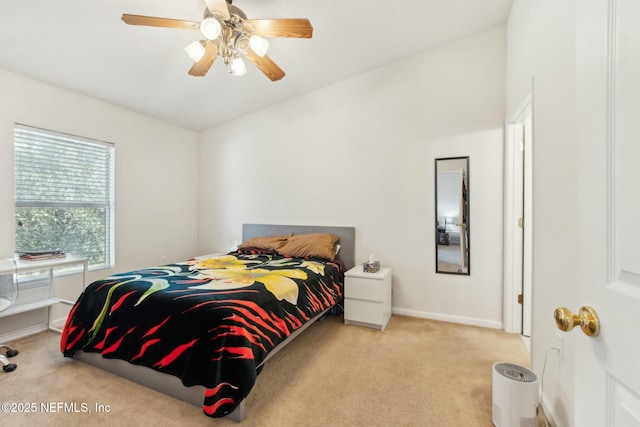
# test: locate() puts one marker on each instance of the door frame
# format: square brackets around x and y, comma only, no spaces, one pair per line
[513,195]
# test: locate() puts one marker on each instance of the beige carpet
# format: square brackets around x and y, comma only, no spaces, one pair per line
[416,373]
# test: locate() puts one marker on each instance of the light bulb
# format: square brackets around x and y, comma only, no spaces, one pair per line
[195,51]
[237,67]
[211,28]
[259,45]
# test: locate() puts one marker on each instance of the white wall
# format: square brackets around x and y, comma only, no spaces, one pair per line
[541,45]
[361,153]
[156,176]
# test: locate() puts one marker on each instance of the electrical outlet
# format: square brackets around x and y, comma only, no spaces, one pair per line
[560,344]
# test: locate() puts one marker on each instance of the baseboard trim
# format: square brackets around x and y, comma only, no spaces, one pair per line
[401,311]
[59,322]
[449,318]
[23,332]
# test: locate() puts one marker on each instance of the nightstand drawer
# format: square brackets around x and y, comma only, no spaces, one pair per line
[365,312]
[366,289]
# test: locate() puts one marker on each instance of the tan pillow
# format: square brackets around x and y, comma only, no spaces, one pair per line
[265,242]
[322,245]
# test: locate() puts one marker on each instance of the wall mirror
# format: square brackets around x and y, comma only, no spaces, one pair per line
[452,215]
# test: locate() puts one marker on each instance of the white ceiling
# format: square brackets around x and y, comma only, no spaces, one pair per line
[83,46]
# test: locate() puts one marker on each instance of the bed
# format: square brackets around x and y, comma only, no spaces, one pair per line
[200,330]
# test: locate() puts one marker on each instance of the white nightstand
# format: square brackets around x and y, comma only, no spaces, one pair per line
[367,297]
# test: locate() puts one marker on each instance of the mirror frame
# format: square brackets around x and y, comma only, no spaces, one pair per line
[465,238]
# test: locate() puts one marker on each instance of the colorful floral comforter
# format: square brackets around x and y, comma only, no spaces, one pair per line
[210,322]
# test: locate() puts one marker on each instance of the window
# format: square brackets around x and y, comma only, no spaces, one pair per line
[64,189]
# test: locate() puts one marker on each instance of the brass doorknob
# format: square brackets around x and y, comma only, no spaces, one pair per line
[587,319]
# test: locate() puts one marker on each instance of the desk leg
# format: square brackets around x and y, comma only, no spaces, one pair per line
[50,297]
[84,274]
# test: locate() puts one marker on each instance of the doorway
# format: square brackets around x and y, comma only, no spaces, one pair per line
[518,198]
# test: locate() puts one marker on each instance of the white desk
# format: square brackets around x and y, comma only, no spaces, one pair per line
[23,266]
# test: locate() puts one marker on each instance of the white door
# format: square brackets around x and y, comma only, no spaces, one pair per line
[607,367]
[518,214]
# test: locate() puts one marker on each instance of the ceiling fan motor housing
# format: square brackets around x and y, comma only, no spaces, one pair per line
[235,12]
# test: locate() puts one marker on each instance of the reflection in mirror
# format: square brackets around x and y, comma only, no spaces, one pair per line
[452,215]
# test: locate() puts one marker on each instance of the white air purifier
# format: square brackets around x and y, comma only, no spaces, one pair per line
[515,396]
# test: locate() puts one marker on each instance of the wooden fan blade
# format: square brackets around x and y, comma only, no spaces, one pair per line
[266,65]
[201,67]
[219,6]
[292,27]
[159,22]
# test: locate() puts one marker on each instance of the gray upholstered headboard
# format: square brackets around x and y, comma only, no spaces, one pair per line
[347,236]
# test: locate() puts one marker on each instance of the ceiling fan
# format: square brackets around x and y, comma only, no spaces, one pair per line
[227,33]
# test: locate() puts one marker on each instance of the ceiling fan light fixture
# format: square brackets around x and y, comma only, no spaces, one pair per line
[195,51]
[211,28]
[237,67]
[259,45]
[228,33]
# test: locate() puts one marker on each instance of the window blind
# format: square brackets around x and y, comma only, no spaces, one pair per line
[64,194]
